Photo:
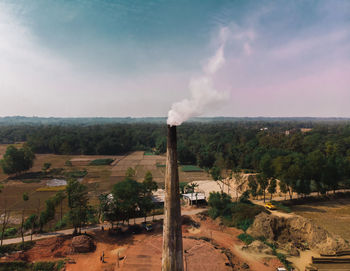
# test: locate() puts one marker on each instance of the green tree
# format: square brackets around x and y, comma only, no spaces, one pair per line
[283,188]
[25,198]
[78,203]
[272,187]
[17,160]
[263,182]
[219,204]
[206,159]
[253,186]
[215,173]
[126,196]
[48,214]
[31,224]
[145,201]
[108,210]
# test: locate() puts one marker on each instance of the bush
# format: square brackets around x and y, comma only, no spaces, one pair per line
[101,162]
[10,232]
[243,214]
[220,204]
[11,266]
[246,238]
[233,214]
[283,259]
[16,247]
[44,266]
[68,163]
[76,174]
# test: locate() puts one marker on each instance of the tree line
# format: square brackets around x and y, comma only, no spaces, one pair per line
[317,160]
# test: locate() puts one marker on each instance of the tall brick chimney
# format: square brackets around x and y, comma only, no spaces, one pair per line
[172,234]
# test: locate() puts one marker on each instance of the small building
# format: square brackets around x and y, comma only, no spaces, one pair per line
[158,197]
[195,198]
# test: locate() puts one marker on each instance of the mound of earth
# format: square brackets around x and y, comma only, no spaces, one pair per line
[299,231]
[258,247]
[82,244]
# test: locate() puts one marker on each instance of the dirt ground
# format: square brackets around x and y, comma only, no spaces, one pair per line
[209,247]
[332,215]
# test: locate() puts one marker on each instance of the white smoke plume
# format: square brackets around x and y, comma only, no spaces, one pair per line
[203,93]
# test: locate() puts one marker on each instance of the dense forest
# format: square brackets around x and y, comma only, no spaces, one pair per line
[317,158]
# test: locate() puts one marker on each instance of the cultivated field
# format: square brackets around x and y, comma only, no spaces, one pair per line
[332,215]
[99,179]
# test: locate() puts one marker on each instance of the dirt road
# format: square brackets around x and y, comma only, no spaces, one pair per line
[94,227]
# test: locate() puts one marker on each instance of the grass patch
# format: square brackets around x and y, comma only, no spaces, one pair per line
[101,162]
[31,181]
[281,207]
[160,165]
[52,188]
[148,153]
[76,174]
[191,168]
[246,238]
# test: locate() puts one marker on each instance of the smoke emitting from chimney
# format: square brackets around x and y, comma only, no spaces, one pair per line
[203,94]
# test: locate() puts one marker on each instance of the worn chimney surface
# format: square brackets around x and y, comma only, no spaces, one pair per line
[172,234]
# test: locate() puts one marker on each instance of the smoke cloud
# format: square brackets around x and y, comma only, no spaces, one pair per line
[203,94]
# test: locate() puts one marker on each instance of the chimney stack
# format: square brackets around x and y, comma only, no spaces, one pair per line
[172,233]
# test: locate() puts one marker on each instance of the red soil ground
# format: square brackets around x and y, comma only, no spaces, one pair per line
[143,251]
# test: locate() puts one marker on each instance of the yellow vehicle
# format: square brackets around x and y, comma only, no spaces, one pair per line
[270,206]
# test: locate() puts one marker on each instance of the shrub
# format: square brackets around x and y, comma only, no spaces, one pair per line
[233,214]
[76,174]
[283,259]
[243,214]
[16,247]
[220,204]
[10,266]
[10,232]
[246,238]
[68,163]
[44,266]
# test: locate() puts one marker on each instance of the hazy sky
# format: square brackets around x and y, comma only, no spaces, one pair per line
[136,58]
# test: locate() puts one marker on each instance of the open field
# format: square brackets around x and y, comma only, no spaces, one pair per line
[99,179]
[333,215]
